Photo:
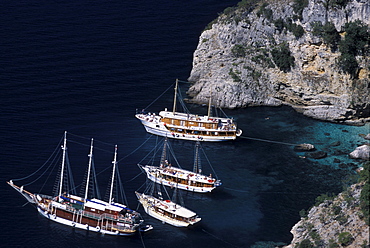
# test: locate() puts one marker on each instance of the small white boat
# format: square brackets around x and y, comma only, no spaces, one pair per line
[167,211]
[188,126]
[106,217]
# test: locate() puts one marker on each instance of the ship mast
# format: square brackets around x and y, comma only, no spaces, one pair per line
[197,165]
[164,153]
[174,100]
[89,170]
[114,170]
[209,103]
[64,147]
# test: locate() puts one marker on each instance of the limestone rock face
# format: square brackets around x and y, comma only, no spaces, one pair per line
[327,222]
[362,152]
[247,76]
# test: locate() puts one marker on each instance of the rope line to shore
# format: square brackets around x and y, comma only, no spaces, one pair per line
[273,192]
[142,240]
[269,141]
[218,238]
[159,96]
[134,177]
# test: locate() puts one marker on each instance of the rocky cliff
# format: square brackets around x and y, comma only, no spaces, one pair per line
[237,60]
[334,223]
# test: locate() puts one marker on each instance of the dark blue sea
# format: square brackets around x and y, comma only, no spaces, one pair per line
[86,66]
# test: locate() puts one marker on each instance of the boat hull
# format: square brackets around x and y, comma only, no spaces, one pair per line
[79,225]
[54,213]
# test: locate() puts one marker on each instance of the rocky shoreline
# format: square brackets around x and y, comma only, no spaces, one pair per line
[326,223]
[336,221]
[233,63]
[234,66]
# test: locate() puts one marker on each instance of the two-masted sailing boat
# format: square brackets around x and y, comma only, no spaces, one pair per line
[188,126]
[80,212]
[175,177]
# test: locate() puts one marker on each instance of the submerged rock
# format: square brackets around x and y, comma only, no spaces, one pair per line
[337,143]
[304,147]
[336,161]
[316,155]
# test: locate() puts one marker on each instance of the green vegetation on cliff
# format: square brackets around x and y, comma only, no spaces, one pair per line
[356,42]
[282,57]
[327,32]
[338,3]
[298,7]
[365,193]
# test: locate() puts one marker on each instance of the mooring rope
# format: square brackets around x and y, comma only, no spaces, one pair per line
[273,192]
[51,156]
[237,190]
[218,238]
[134,177]
[154,149]
[269,141]
[205,155]
[136,149]
[159,96]
[142,240]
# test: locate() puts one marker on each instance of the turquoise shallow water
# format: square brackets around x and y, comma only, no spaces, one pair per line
[337,140]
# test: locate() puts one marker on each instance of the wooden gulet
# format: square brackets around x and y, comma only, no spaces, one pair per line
[83,213]
[188,126]
[175,177]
